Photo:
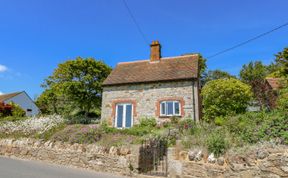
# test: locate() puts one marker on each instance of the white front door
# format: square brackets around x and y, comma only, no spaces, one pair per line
[124,115]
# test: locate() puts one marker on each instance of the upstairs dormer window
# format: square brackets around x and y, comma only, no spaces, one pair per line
[170,108]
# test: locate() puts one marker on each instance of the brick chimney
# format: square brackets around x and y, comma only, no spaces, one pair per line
[155,51]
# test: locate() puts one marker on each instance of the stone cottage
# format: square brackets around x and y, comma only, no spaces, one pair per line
[159,87]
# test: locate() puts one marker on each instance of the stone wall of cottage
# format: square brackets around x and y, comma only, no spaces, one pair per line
[145,99]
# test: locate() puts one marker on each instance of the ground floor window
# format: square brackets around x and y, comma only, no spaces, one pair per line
[170,108]
[124,115]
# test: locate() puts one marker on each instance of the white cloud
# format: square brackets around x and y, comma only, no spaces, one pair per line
[3,68]
[1,93]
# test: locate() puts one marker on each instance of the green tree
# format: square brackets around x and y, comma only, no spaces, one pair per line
[282,102]
[279,68]
[217,74]
[282,60]
[49,103]
[254,74]
[76,84]
[224,97]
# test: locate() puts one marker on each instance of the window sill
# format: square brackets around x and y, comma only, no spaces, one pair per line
[169,116]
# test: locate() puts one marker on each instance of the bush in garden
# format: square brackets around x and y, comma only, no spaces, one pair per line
[216,143]
[187,125]
[5,109]
[148,122]
[219,121]
[82,118]
[282,102]
[225,97]
[275,128]
[17,111]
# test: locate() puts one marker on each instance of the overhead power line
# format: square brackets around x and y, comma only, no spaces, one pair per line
[247,41]
[135,22]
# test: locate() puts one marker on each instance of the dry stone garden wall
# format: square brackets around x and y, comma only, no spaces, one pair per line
[262,161]
[120,160]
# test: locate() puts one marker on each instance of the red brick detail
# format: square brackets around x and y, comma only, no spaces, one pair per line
[114,102]
[180,99]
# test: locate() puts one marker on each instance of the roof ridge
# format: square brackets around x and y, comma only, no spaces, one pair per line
[8,96]
[164,58]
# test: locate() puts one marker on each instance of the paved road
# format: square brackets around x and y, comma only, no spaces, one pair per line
[13,168]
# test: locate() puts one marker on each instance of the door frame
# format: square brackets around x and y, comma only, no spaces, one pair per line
[124,115]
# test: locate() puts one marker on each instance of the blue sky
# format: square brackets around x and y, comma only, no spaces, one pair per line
[36,35]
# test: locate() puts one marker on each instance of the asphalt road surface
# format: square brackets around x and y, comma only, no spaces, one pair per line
[14,168]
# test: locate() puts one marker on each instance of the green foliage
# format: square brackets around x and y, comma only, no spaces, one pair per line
[146,126]
[253,71]
[186,125]
[253,127]
[49,133]
[282,60]
[254,74]
[75,84]
[224,97]
[148,122]
[217,74]
[82,117]
[216,143]
[17,111]
[282,102]
[219,120]
[237,131]
[49,103]
[12,119]
[276,128]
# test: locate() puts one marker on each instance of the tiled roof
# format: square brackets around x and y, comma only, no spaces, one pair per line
[275,83]
[167,69]
[5,97]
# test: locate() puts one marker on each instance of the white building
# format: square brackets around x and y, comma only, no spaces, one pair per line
[23,100]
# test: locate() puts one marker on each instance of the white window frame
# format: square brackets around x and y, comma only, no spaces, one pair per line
[166,108]
[124,115]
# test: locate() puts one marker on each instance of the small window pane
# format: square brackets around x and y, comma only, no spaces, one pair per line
[163,108]
[170,108]
[119,116]
[128,116]
[177,108]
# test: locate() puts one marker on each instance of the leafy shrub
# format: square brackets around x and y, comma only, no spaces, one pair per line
[148,122]
[187,125]
[82,118]
[5,109]
[216,143]
[219,121]
[107,129]
[275,129]
[17,111]
[137,130]
[225,97]
[174,120]
[282,101]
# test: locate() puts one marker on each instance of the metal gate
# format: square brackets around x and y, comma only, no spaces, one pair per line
[153,157]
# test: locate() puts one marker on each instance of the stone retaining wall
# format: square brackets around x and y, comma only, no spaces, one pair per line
[120,160]
[262,161]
